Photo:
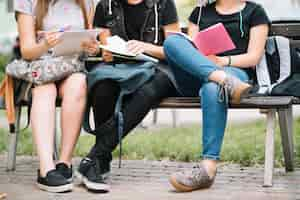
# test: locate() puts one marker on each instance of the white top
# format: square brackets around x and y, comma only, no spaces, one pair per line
[64,13]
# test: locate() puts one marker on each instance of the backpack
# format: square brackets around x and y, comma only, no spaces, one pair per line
[278,73]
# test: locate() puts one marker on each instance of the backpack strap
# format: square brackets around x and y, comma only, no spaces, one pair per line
[277,47]
[283,46]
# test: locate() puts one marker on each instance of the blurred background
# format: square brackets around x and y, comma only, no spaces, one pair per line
[277,10]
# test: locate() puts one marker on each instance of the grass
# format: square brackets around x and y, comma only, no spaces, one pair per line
[243,144]
[3,61]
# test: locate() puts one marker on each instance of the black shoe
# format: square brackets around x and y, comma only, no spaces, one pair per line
[93,173]
[54,182]
[66,171]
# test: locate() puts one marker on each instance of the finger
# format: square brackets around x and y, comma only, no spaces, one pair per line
[131,44]
[133,48]
[50,34]
[83,45]
[53,37]
[107,54]
[92,50]
[92,45]
[53,41]
[136,50]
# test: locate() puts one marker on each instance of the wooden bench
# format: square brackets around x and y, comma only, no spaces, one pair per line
[281,105]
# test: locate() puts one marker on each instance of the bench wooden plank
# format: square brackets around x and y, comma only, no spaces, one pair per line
[289,29]
[252,102]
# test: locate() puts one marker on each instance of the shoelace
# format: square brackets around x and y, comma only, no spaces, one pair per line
[198,175]
[223,94]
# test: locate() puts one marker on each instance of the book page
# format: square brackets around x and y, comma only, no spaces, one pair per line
[117,45]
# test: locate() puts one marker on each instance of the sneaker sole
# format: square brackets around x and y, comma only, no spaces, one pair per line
[179,187]
[91,185]
[56,189]
[182,188]
[243,89]
[71,179]
[99,187]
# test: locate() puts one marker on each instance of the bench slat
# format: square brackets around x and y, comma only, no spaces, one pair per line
[253,102]
[290,30]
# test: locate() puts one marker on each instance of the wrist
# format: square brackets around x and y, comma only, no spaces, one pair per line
[148,47]
[46,45]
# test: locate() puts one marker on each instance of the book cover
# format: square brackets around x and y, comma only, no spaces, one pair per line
[71,41]
[213,40]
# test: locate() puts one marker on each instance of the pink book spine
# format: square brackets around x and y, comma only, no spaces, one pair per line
[214,40]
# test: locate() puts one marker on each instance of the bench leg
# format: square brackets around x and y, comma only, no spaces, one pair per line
[269,149]
[155,113]
[174,117]
[13,141]
[286,131]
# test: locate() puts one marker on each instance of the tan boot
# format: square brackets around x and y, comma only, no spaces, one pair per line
[235,88]
[193,179]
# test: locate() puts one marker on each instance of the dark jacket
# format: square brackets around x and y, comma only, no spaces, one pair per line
[114,17]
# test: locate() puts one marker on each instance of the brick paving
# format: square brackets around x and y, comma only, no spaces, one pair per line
[148,180]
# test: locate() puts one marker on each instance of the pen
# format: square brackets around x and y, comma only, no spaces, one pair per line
[64,28]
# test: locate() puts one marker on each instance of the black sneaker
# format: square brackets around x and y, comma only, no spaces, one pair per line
[54,182]
[66,171]
[93,173]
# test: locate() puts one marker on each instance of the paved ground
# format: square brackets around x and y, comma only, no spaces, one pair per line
[147,180]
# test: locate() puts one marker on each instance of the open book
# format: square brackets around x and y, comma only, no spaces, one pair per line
[117,46]
[211,41]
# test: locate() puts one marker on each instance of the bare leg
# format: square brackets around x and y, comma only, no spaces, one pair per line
[73,93]
[211,167]
[42,119]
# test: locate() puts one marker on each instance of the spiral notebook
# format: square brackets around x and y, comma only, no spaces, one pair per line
[71,41]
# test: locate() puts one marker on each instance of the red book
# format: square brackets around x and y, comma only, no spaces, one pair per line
[212,40]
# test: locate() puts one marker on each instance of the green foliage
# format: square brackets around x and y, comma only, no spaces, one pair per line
[243,144]
[4,59]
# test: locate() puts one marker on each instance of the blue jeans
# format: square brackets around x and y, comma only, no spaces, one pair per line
[191,70]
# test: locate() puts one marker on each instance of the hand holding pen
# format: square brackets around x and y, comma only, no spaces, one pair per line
[52,38]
